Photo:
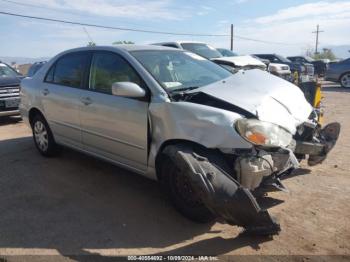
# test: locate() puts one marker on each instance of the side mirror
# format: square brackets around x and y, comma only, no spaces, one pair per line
[127,89]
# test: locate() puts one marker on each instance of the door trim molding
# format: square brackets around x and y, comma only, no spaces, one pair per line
[98,134]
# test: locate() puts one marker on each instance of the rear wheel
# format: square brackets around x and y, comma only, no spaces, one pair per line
[345,80]
[42,136]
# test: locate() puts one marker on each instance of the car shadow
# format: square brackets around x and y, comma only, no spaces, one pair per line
[267,202]
[337,89]
[297,172]
[8,120]
[74,203]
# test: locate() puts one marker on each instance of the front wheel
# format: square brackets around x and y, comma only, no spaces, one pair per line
[43,137]
[176,184]
[345,80]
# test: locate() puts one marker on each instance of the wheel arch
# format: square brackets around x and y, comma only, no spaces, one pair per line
[33,112]
[172,142]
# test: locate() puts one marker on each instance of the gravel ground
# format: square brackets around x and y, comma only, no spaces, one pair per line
[76,205]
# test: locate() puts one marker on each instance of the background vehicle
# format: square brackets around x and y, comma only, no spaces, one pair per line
[230,60]
[320,66]
[9,90]
[35,67]
[198,48]
[301,72]
[226,52]
[240,62]
[339,72]
[280,70]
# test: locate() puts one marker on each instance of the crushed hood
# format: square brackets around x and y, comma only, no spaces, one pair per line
[266,96]
[241,61]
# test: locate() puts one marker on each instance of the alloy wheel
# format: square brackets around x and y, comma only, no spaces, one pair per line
[345,80]
[41,136]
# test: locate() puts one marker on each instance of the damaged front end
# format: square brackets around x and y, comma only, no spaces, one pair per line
[262,130]
[230,193]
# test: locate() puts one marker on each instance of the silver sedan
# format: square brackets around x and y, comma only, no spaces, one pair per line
[213,139]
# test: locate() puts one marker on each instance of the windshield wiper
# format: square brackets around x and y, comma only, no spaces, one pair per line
[181,93]
[183,89]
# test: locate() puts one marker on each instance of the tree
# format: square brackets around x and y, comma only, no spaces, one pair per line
[326,53]
[91,44]
[123,43]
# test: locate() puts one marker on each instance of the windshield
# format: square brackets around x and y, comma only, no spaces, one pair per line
[226,52]
[6,71]
[177,70]
[34,68]
[283,59]
[202,50]
[309,59]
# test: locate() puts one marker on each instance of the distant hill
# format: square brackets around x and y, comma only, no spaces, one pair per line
[22,60]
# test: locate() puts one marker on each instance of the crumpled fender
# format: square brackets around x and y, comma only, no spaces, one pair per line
[223,195]
[208,126]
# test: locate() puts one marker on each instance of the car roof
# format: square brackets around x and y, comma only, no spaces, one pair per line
[180,42]
[128,48]
[264,54]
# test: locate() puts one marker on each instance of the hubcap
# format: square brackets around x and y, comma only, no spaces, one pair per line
[345,80]
[41,137]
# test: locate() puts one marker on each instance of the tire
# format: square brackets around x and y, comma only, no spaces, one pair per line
[42,136]
[176,185]
[344,80]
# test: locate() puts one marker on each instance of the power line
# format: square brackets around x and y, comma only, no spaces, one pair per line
[142,30]
[263,41]
[110,27]
[62,11]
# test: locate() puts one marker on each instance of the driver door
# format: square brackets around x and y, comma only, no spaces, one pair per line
[114,127]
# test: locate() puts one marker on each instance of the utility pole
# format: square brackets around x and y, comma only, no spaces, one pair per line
[317,32]
[231,37]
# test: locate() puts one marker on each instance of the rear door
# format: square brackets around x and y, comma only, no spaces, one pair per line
[114,127]
[61,94]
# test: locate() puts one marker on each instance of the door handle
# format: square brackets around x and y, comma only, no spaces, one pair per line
[86,100]
[45,92]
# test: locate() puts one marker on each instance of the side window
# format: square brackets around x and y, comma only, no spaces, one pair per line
[108,68]
[49,76]
[69,70]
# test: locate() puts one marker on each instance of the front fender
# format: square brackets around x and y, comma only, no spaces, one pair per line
[208,126]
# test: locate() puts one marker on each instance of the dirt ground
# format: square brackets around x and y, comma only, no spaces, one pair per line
[74,204]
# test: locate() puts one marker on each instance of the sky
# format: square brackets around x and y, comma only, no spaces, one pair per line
[286,25]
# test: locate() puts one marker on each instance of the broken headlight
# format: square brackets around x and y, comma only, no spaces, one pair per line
[263,133]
